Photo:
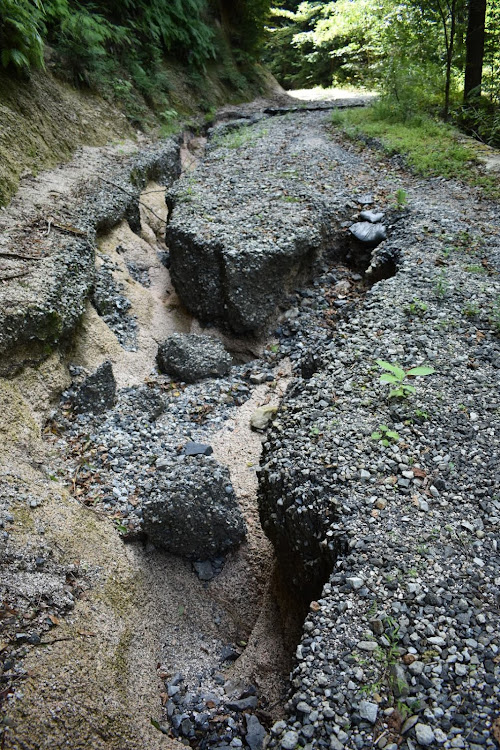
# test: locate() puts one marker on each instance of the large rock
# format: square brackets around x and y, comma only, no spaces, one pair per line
[244,229]
[192,509]
[190,357]
[97,392]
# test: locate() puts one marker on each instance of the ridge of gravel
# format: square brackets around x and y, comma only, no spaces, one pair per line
[248,224]
[48,239]
[398,543]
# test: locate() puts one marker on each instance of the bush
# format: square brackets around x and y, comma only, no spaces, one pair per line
[21,43]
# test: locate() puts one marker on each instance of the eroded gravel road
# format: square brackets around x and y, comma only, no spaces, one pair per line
[392,544]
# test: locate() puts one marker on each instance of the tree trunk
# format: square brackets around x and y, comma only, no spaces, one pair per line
[449,61]
[474,45]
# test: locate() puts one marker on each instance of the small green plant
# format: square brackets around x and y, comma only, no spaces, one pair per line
[243,136]
[401,199]
[471,310]
[476,268]
[441,285]
[384,435]
[495,315]
[420,414]
[396,376]
[417,307]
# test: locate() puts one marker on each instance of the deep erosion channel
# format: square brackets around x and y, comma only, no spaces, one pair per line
[226,493]
[230,618]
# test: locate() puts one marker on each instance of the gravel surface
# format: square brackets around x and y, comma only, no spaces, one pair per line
[396,537]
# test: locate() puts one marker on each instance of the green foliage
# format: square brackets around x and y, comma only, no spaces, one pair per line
[246,135]
[246,20]
[417,308]
[401,198]
[384,435]
[21,44]
[495,315]
[94,38]
[411,51]
[120,47]
[441,285]
[395,375]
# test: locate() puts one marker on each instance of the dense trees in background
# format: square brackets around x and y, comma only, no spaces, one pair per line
[415,51]
[118,47]
[421,54]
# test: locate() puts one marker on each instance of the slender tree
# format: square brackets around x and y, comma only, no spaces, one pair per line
[474,46]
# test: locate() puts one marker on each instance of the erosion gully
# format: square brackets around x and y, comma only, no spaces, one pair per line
[227,643]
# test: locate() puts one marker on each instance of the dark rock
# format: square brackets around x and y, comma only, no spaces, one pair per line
[243,704]
[190,357]
[97,392]
[197,449]
[255,733]
[189,511]
[143,399]
[371,234]
[229,653]
[204,570]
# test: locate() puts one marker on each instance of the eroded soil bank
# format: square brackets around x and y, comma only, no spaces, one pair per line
[104,633]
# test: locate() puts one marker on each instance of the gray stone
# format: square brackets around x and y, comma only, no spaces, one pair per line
[424,734]
[354,582]
[368,711]
[262,417]
[290,740]
[370,234]
[416,667]
[191,357]
[365,199]
[399,682]
[97,392]
[243,704]
[367,645]
[255,732]
[409,724]
[189,511]
[197,449]
[278,727]
[204,570]
[372,216]
[377,626]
